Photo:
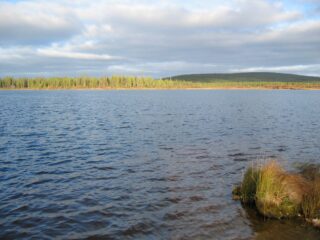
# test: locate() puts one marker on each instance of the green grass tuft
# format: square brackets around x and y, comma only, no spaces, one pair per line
[249,185]
[279,194]
[276,193]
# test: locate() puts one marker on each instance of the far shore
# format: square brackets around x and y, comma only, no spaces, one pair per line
[194,88]
[225,82]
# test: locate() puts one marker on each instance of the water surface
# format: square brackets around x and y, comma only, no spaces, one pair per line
[146,164]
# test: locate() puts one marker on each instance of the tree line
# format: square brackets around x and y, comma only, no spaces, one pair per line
[127,82]
[87,82]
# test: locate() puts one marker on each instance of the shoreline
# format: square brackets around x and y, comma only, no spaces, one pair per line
[195,88]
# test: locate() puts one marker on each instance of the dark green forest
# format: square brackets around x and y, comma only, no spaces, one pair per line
[247,76]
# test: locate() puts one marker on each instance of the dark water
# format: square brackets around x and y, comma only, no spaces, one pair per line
[146,164]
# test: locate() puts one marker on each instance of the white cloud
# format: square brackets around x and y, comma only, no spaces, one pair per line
[75,55]
[296,32]
[34,22]
[156,37]
[311,69]
[12,55]
[247,12]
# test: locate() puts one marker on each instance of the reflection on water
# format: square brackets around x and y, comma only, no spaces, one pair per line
[146,164]
[294,229]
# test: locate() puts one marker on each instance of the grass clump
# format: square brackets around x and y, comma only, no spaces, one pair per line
[279,194]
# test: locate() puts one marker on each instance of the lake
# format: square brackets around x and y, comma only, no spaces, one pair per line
[151,164]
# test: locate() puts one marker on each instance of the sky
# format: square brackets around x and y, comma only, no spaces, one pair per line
[158,38]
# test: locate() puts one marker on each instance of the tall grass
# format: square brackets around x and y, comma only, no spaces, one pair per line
[311,202]
[248,187]
[277,193]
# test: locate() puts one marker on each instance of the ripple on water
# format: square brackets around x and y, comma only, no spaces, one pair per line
[145,164]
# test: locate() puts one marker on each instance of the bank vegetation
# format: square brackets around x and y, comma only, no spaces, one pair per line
[132,82]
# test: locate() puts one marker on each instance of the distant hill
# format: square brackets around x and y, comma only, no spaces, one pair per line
[248,76]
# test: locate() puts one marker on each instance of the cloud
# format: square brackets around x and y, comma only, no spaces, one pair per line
[36,23]
[244,12]
[159,38]
[294,33]
[13,54]
[311,69]
[75,55]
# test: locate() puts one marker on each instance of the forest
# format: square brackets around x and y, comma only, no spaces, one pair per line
[179,82]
